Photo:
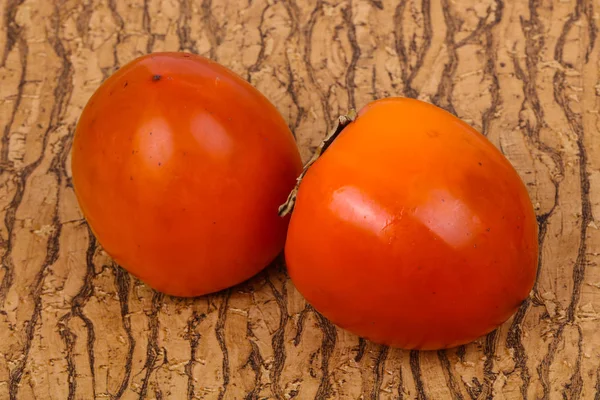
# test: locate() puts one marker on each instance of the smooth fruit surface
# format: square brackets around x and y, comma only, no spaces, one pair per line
[179,166]
[413,230]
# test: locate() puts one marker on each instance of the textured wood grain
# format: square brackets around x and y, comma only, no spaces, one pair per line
[75,326]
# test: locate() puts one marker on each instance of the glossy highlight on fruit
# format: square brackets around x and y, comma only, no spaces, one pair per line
[179,166]
[413,230]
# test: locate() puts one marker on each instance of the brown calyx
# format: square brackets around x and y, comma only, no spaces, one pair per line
[343,120]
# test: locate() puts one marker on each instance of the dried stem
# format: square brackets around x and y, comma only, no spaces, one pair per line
[343,121]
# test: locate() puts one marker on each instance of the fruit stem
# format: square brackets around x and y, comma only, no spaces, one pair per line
[343,121]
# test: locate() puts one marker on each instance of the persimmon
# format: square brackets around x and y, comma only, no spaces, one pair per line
[179,166]
[412,229]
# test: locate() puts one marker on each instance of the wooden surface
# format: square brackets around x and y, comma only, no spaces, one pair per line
[75,326]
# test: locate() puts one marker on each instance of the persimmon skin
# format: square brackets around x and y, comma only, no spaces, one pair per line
[413,230]
[179,166]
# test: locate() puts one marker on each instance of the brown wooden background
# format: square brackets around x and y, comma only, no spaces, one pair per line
[75,326]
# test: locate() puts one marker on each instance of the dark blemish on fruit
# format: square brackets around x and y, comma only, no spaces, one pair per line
[126,83]
[131,178]
[159,164]
[488,229]
[433,293]
[502,65]
[443,200]
[214,222]
[480,164]
[156,78]
[150,133]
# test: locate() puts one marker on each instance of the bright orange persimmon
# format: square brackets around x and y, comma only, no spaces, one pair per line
[179,166]
[413,230]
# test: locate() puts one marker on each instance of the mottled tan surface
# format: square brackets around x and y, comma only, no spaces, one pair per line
[75,326]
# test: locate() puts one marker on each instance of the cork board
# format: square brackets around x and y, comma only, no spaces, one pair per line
[75,326]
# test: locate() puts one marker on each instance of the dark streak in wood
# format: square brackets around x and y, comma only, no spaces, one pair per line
[69,337]
[351,70]
[575,121]
[410,72]
[474,35]
[489,351]
[415,368]
[183,27]
[147,25]
[588,11]
[514,341]
[308,32]
[327,347]
[574,388]
[401,388]
[62,92]
[23,50]
[443,97]
[378,371]
[474,389]
[152,349]
[300,324]
[543,369]
[123,282]
[377,4]
[277,340]
[460,352]
[112,5]
[256,362]
[532,29]
[294,96]
[213,30]
[260,58]
[450,380]
[220,333]
[52,252]
[9,223]
[194,337]
[13,31]
[490,68]
[575,385]
[13,36]
[83,19]
[362,345]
